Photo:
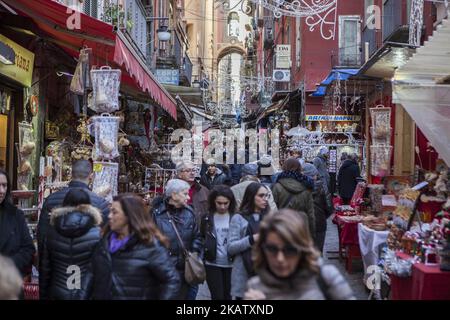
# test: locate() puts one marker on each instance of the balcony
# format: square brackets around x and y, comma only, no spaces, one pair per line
[128,15]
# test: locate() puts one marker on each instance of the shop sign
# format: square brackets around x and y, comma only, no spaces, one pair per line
[283,56]
[319,117]
[168,76]
[22,69]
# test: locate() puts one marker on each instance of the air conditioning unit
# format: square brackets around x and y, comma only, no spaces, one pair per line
[282,75]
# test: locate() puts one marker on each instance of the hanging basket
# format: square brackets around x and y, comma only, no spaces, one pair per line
[105,130]
[380,156]
[105,86]
[105,179]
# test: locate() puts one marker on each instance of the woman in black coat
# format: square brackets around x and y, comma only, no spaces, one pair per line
[173,208]
[15,238]
[131,261]
[70,241]
[347,178]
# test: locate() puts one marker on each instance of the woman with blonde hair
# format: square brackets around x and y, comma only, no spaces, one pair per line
[288,265]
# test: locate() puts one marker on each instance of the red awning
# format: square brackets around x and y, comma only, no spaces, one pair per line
[108,47]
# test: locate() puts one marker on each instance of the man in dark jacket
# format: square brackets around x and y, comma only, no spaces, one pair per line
[70,242]
[198,194]
[214,176]
[81,176]
[347,178]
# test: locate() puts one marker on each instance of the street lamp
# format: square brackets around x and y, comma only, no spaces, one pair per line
[163,31]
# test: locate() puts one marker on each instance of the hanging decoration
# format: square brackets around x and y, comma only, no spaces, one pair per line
[416,23]
[317,12]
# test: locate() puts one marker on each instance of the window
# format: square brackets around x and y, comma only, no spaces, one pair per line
[233,24]
[349,41]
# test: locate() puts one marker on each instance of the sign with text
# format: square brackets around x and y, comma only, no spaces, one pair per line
[22,69]
[168,76]
[283,57]
[318,117]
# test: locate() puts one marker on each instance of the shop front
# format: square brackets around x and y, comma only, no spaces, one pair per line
[16,72]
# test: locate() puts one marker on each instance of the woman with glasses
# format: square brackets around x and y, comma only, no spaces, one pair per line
[288,265]
[244,233]
[214,229]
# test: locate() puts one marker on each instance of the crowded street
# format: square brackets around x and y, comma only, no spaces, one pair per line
[224,150]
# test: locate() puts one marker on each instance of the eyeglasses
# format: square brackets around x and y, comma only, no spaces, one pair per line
[189,170]
[288,251]
[264,195]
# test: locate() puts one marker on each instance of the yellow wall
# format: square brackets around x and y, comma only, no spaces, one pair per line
[3,139]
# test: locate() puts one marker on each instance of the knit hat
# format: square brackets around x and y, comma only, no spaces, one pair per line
[249,169]
[309,170]
[265,160]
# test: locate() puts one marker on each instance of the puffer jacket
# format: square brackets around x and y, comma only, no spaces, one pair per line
[56,199]
[188,229]
[137,271]
[219,179]
[291,193]
[71,239]
[304,285]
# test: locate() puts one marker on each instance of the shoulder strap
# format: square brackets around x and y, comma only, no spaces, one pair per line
[176,231]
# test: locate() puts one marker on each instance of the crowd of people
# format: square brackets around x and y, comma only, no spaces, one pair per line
[259,237]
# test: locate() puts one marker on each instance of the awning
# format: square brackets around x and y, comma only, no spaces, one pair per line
[417,87]
[386,60]
[108,47]
[343,74]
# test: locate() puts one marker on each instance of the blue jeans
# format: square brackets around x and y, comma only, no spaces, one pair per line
[192,292]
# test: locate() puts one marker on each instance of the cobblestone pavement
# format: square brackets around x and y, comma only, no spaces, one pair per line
[331,244]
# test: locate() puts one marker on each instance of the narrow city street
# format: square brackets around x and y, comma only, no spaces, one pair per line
[149,146]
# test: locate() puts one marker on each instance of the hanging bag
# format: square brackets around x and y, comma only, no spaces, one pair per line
[194,269]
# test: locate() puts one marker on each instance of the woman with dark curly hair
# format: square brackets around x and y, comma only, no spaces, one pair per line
[288,265]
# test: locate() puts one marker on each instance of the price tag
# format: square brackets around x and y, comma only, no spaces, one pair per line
[98,167]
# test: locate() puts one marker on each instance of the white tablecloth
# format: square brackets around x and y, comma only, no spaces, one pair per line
[369,242]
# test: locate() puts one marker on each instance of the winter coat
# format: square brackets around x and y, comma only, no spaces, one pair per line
[56,200]
[320,162]
[208,232]
[292,194]
[218,179]
[137,271]
[238,242]
[71,240]
[347,175]
[304,285]
[323,208]
[200,201]
[239,191]
[15,238]
[188,229]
